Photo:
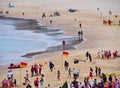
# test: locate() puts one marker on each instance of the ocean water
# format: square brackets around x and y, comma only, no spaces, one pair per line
[15,43]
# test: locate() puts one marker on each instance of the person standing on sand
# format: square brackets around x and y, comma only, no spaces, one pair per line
[51,22]
[80,25]
[9,4]
[23,13]
[65,85]
[99,71]
[66,65]
[26,77]
[90,58]
[49,86]
[40,69]
[96,70]
[81,33]
[36,69]
[36,83]
[110,78]
[91,73]
[69,73]
[28,86]
[63,43]
[15,82]
[58,75]
[87,54]
[32,71]
[41,82]
[51,66]
[43,15]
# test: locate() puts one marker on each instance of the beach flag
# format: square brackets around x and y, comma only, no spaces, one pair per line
[23,64]
[110,12]
[65,53]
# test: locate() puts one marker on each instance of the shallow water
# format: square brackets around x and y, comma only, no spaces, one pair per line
[15,43]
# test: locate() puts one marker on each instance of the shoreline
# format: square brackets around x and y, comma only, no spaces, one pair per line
[71,41]
[56,48]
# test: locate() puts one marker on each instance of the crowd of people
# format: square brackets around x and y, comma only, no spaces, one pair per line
[107,54]
[95,78]
[102,82]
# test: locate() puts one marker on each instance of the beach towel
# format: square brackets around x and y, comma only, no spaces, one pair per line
[11,6]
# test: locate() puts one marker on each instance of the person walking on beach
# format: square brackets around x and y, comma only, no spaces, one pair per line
[58,75]
[51,66]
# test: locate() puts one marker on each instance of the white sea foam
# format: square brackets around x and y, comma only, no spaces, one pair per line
[16,43]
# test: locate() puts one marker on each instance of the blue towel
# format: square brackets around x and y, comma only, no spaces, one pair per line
[11,6]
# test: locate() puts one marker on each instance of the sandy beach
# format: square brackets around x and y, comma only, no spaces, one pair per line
[96,37]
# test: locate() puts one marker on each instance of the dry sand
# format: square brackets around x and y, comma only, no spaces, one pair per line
[97,37]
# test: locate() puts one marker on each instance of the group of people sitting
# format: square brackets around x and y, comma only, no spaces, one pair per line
[51,15]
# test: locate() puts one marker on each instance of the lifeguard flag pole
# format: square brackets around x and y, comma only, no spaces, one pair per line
[64,54]
[22,65]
